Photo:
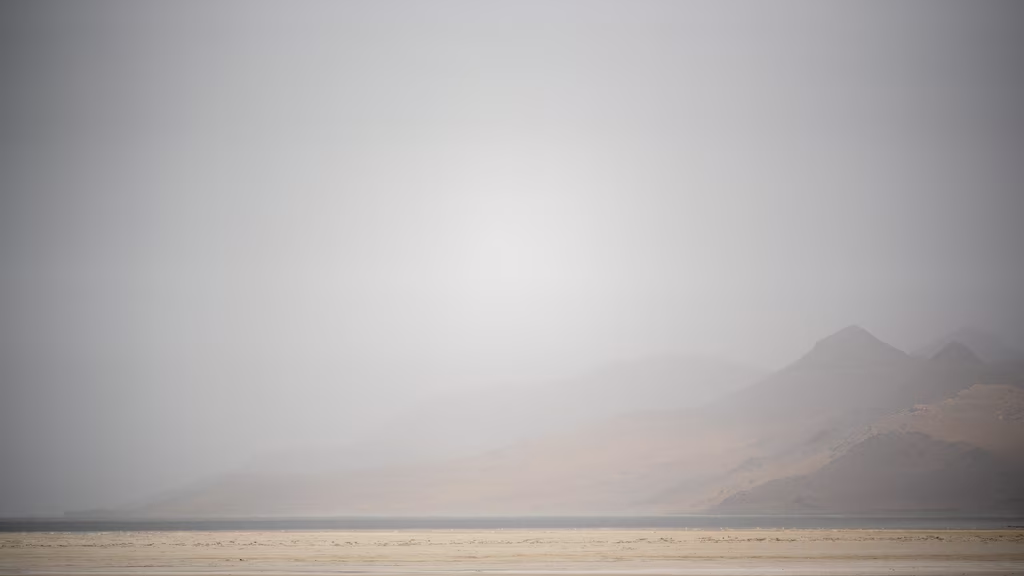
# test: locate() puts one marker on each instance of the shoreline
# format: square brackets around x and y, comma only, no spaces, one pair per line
[538,522]
[511,552]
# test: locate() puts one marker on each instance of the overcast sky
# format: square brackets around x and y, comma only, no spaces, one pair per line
[226,226]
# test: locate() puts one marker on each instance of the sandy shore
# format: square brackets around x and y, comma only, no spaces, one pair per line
[837,552]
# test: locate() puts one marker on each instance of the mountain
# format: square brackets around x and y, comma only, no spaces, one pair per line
[1004,364]
[893,472]
[964,455]
[956,353]
[469,421]
[852,346]
[459,424]
[988,347]
[778,445]
[845,381]
[791,422]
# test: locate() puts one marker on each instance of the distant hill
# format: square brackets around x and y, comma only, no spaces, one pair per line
[471,422]
[988,347]
[893,473]
[848,427]
[1005,363]
[965,454]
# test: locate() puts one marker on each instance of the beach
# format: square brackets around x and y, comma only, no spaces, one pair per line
[567,551]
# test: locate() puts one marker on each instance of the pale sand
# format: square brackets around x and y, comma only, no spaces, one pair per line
[506,552]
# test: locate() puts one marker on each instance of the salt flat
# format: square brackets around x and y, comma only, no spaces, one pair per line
[834,552]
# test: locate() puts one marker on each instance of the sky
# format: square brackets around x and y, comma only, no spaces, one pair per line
[231,226]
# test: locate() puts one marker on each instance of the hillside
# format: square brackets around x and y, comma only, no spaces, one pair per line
[778,446]
[469,421]
[894,472]
[964,454]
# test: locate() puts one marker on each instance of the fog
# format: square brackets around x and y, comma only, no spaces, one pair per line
[229,229]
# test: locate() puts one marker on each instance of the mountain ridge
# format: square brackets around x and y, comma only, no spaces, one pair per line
[773,441]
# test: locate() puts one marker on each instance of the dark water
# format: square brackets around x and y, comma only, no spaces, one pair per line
[699,522]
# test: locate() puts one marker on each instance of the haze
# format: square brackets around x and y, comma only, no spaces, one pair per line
[235,229]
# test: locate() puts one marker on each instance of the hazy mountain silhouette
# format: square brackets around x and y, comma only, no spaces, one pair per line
[965,454]
[470,421]
[894,472]
[851,346]
[851,404]
[793,421]
[1004,364]
[956,353]
[988,347]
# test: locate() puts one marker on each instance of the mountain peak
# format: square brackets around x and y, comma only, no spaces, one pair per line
[852,344]
[988,347]
[851,337]
[850,333]
[957,353]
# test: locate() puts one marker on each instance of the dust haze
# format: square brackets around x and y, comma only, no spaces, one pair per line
[384,255]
